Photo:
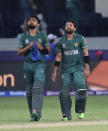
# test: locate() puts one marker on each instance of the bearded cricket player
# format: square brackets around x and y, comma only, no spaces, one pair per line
[33,45]
[72,52]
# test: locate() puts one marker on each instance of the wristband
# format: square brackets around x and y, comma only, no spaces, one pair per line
[57,63]
[86,59]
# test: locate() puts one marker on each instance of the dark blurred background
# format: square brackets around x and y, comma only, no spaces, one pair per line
[91,17]
[54,13]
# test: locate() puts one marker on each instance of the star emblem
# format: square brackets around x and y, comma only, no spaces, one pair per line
[25,76]
[76,44]
[39,40]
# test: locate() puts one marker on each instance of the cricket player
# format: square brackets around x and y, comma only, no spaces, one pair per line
[70,49]
[33,45]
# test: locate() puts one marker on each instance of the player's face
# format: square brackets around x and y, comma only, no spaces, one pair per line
[32,23]
[69,28]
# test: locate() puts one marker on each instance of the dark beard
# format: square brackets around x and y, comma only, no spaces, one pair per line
[31,27]
[69,31]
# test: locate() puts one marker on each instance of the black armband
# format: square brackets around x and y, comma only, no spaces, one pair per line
[44,51]
[57,63]
[86,59]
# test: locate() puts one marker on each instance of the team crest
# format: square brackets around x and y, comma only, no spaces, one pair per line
[62,76]
[27,41]
[76,44]
[39,40]
[64,45]
[25,76]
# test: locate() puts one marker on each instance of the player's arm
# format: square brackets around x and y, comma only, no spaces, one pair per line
[46,44]
[86,59]
[56,65]
[58,59]
[22,51]
[45,49]
[48,48]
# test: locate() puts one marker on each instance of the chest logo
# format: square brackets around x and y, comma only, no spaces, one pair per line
[39,40]
[76,44]
[25,76]
[64,46]
[27,41]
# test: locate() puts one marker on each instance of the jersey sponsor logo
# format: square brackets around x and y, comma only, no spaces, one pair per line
[76,44]
[27,41]
[39,40]
[64,46]
[71,52]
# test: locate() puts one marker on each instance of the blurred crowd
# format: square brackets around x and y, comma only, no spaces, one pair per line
[53,15]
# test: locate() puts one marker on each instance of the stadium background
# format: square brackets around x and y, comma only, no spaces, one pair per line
[92,21]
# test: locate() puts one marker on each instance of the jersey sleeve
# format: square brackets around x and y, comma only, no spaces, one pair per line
[83,42]
[20,41]
[45,40]
[59,47]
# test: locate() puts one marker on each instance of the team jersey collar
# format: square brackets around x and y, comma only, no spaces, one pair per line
[72,38]
[33,36]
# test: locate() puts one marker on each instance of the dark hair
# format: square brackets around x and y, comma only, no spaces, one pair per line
[34,16]
[72,21]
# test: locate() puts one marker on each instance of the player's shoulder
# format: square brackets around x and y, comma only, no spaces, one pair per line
[21,35]
[79,36]
[41,34]
[24,34]
[62,39]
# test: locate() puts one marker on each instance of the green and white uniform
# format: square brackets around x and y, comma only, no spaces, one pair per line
[35,67]
[33,71]
[72,62]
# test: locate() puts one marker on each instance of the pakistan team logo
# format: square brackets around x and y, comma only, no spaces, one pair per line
[27,41]
[25,76]
[39,40]
[64,45]
[76,44]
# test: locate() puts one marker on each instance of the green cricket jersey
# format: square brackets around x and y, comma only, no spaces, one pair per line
[72,52]
[24,39]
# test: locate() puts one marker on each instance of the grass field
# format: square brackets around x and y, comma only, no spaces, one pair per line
[14,111]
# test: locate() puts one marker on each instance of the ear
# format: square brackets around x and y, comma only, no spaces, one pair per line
[38,25]
[74,29]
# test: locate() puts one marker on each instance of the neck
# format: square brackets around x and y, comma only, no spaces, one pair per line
[33,31]
[70,36]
